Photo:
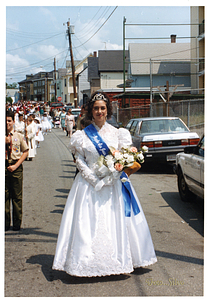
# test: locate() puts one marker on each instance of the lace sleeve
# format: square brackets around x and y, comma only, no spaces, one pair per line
[76,147]
[124,138]
[85,171]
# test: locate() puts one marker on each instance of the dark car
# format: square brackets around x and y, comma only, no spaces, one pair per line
[56,105]
[164,136]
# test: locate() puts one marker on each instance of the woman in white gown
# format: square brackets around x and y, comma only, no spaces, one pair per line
[95,236]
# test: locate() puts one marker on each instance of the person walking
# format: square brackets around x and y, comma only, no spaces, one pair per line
[69,122]
[16,153]
[20,125]
[30,137]
[39,136]
[62,119]
[97,237]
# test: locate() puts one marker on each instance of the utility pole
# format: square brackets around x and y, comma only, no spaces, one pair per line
[72,65]
[151,112]
[124,57]
[55,83]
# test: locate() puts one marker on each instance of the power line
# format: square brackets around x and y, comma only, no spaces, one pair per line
[89,21]
[95,24]
[99,28]
[34,65]
[34,42]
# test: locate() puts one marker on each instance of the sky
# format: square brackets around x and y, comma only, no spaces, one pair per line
[35,35]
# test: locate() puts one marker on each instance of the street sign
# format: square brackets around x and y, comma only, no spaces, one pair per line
[59,98]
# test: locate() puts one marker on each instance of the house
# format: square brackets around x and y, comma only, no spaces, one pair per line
[14,94]
[38,87]
[83,85]
[153,64]
[198,49]
[68,90]
[106,70]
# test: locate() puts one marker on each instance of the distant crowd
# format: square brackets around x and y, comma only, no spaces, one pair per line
[33,121]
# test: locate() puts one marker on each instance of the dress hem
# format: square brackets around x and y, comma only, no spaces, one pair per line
[143,265]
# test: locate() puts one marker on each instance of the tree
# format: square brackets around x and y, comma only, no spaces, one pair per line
[11,86]
[9,100]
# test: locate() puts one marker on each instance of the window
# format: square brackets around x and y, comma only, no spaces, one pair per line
[133,127]
[128,126]
[65,82]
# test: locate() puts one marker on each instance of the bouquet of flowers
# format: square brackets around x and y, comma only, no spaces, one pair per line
[127,160]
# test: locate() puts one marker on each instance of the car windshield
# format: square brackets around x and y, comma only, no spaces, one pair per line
[162,126]
[56,104]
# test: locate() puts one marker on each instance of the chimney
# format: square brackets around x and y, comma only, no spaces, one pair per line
[173,38]
[95,54]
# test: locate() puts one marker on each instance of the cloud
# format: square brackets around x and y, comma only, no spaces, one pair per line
[14,62]
[48,13]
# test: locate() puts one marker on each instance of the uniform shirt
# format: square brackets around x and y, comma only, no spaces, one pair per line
[18,145]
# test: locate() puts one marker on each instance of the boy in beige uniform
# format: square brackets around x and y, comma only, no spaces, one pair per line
[16,153]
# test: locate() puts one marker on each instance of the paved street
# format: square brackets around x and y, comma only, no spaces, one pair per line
[176,229]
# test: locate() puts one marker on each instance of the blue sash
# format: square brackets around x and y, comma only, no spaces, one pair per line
[96,139]
[102,148]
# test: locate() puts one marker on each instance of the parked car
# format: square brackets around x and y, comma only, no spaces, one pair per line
[190,171]
[164,136]
[68,107]
[54,105]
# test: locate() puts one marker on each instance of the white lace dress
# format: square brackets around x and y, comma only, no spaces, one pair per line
[95,236]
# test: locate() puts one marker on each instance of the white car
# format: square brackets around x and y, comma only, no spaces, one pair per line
[164,136]
[190,171]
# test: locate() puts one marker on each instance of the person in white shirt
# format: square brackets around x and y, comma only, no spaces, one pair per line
[20,125]
[30,137]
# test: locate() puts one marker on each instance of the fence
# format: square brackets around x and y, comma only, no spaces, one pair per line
[190,111]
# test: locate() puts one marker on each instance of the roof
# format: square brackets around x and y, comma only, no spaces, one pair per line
[11,92]
[165,57]
[37,76]
[111,60]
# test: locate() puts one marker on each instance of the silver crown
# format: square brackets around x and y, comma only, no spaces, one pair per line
[99,96]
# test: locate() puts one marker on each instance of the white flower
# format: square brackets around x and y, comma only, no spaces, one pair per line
[126,148]
[124,179]
[109,158]
[130,158]
[145,149]
[140,156]
[118,156]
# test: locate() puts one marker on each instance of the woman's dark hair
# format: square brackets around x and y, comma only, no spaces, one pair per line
[10,113]
[90,104]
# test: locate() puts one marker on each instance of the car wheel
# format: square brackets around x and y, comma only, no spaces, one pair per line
[185,194]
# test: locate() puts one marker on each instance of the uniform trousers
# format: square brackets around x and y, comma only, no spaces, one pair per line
[13,193]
